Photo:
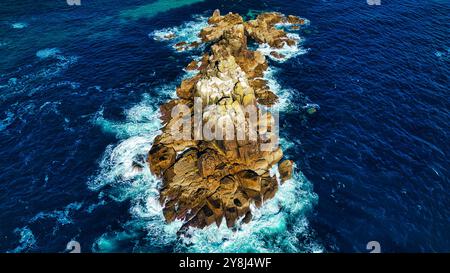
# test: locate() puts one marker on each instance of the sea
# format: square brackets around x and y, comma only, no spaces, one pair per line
[81,82]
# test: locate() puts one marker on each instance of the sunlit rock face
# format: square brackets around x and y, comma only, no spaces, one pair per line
[206,179]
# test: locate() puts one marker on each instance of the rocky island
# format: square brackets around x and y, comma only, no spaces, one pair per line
[207,179]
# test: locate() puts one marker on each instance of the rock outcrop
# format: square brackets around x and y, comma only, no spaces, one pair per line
[207,180]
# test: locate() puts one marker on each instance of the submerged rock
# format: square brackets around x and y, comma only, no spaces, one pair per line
[169,36]
[285,169]
[205,181]
[295,20]
[311,109]
[192,66]
[277,55]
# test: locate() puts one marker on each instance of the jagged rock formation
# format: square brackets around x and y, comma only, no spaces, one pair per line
[207,180]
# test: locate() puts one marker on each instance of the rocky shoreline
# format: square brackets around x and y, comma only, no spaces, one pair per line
[206,180]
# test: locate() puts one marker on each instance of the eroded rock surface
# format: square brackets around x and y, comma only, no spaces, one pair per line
[206,180]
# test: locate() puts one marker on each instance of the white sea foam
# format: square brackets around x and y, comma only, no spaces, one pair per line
[287,52]
[187,32]
[94,206]
[19,25]
[72,85]
[276,227]
[62,217]
[62,61]
[27,83]
[56,63]
[26,241]
[8,120]
[287,25]
[48,53]
[141,120]
[284,94]
[123,168]
[119,163]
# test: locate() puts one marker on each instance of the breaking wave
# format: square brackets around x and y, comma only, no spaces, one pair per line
[187,32]
[62,217]
[26,241]
[286,52]
[279,225]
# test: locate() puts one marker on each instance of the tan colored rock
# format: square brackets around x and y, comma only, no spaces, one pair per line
[194,44]
[267,98]
[204,62]
[248,99]
[258,84]
[215,18]
[222,24]
[206,181]
[285,168]
[166,108]
[250,181]
[269,186]
[192,66]
[277,55]
[186,89]
[208,161]
[295,20]
[181,46]
[161,158]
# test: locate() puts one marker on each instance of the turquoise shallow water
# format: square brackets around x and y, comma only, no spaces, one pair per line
[79,94]
[155,8]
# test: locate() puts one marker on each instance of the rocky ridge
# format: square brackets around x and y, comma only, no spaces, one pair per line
[206,181]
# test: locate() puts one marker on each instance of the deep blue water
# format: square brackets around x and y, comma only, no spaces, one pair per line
[79,91]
